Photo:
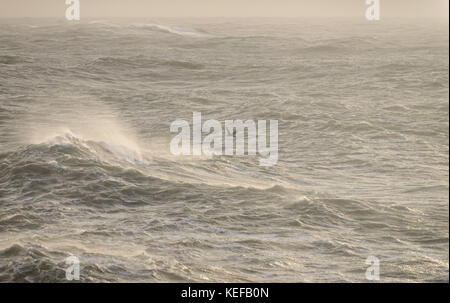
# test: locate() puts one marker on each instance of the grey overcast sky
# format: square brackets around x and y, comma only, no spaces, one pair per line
[224,8]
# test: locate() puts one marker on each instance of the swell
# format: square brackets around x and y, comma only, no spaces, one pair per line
[97,173]
[144,62]
[65,179]
[170,29]
[76,172]
[12,59]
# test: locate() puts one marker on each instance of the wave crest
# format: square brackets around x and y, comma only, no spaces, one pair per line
[177,30]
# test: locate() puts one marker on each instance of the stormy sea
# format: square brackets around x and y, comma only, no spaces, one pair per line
[86,168]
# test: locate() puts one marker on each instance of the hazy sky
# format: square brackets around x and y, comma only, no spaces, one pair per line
[223,8]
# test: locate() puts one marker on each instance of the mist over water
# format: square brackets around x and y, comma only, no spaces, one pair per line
[85,166]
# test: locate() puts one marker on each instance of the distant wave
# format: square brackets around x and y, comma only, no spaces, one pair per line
[104,23]
[10,60]
[182,31]
[183,64]
[338,45]
[137,62]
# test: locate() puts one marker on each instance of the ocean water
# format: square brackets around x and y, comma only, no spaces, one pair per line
[85,167]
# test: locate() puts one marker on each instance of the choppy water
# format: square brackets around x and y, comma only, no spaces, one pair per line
[85,167]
